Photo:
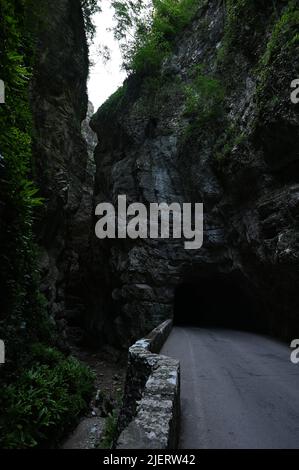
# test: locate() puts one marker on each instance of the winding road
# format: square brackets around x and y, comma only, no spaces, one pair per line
[238,390]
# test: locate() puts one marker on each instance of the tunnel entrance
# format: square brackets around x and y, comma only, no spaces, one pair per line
[218,301]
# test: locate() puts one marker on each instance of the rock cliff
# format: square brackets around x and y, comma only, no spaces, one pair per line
[63,166]
[215,125]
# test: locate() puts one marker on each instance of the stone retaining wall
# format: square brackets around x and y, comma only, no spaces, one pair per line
[150,415]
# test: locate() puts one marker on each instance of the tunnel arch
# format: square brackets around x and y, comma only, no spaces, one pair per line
[223,301]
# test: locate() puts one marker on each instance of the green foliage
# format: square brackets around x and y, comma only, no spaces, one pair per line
[130,16]
[90,8]
[41,391]
[230,140]
[110,431]
[275,62]
[111,424]
[113,103]
[278,63]
[42,354]
[45,401]
[151,27]
[23,313]
[204,97]
[233,24]
[285,33]
[244,37]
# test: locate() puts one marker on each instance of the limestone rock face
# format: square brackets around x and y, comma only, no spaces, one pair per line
[90,137]
[63,167]
[240,159]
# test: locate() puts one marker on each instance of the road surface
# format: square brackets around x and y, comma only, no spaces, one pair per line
[238,390]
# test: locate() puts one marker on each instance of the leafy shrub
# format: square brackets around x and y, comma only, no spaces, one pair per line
[151,28]
[45,401]
[42,354]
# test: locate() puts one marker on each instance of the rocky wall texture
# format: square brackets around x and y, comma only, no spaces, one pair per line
[63,166]
[214,125]
[150,415]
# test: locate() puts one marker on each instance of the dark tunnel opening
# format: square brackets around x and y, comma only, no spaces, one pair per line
[217,302]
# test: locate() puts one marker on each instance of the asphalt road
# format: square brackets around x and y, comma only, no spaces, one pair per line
[238,390]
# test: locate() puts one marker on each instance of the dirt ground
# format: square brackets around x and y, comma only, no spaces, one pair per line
[109,366]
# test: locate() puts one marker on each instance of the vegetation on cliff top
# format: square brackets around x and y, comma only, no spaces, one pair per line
[147,30]
[259,35]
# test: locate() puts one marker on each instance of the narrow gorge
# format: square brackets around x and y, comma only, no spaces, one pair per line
[205,116]
[214,125]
